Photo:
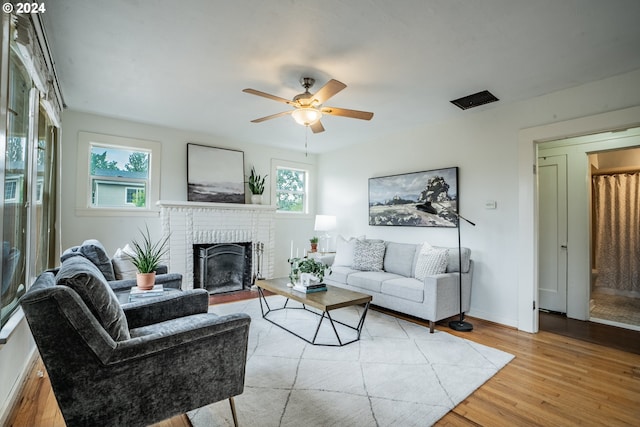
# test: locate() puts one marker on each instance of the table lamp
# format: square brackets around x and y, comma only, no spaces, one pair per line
[325,223]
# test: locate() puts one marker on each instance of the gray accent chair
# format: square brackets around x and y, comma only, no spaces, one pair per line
[135,364]
[95,252]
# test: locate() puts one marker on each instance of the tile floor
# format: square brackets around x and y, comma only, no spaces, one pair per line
[613,309]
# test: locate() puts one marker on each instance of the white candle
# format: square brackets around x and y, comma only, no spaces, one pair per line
[297,252]
[291,254]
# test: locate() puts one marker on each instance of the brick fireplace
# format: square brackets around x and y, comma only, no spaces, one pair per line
[197,224]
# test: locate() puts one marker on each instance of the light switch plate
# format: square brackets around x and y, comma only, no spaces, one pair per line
[490,204]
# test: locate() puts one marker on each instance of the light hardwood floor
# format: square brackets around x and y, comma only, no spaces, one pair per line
[553,381]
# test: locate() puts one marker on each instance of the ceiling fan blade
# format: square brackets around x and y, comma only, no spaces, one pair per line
[354,114]
[317,127]
[273,116]
[328,90]
[269,96]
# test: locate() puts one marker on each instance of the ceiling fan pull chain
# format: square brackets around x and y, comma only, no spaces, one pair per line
[306,137]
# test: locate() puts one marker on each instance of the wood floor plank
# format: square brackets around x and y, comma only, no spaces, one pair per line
[553,380]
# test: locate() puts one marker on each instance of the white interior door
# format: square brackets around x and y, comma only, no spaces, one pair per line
[552,246]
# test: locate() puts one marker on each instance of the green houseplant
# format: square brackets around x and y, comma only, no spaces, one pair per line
[314,243]
[146,258]
[256,185]
[307,265]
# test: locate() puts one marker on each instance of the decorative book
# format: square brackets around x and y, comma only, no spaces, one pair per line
[137,292]
[310,289]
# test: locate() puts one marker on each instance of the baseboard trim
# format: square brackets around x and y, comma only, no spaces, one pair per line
[10,405]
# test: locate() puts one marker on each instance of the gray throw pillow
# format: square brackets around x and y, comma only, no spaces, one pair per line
[368,255]
[81,275]
[92,250]
[398,258]
[431,261]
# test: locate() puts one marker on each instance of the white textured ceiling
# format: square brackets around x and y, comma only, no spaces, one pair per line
[184,64]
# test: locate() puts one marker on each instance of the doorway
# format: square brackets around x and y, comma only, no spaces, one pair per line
[574,289]
[615,227]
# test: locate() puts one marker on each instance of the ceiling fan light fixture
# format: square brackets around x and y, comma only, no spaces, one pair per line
[306,116]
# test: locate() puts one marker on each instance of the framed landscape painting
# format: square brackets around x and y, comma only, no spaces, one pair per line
[418,199]
[214,174]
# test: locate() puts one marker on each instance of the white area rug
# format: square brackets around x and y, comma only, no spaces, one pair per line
[398,374]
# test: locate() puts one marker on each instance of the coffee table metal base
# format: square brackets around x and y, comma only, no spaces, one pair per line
[324,315]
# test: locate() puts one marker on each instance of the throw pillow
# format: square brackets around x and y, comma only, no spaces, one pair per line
[123,268]
[368,255]
[81,275]
[344,251]
[92,250]
[431,261]
[399,258]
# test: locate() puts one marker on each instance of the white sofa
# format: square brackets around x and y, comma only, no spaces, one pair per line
[433,296]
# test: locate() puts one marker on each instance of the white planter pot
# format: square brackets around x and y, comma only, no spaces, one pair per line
[256,199]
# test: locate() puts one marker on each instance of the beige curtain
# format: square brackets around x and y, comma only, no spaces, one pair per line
[617,235]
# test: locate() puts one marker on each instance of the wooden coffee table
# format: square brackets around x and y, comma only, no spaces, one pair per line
[333,298]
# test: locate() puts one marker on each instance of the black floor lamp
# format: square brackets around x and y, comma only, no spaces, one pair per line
[460,324]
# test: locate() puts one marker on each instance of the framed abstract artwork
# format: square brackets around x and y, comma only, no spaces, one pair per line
[214,174]
[418,199]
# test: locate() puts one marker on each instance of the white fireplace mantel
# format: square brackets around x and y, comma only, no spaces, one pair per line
[189,223]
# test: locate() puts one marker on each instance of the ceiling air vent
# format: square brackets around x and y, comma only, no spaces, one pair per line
[475,100]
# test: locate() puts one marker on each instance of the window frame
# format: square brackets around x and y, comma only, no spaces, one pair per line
[310,191]
[84,205]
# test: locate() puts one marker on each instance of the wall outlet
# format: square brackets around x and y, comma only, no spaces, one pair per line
[490,204]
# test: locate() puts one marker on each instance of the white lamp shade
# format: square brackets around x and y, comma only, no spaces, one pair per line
[325,223]
[306,116]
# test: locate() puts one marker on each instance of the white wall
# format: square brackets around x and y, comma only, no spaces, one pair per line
[484,144]
[16,356]
[116,231]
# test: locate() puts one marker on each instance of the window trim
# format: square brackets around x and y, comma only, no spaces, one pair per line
[83,188]
[310,169]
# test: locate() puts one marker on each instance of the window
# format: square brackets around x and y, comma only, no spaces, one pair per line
[10,190]
[29,165]
[135,196]
[292,189]
[117,174]
[17,179]
[113,173]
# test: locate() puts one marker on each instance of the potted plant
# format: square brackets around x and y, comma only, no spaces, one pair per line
[146,258]
[314,243]
[256,186]
[307,265]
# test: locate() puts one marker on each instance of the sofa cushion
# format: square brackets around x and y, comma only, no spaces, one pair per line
[340,273]
[368,255]
[405,288]
[370,280]
[123,268]
[431,261]
[81,275]
[344,251]
[92,250]
[398,258]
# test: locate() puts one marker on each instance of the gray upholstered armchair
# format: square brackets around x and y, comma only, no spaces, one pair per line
[95,252]
[137,365]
